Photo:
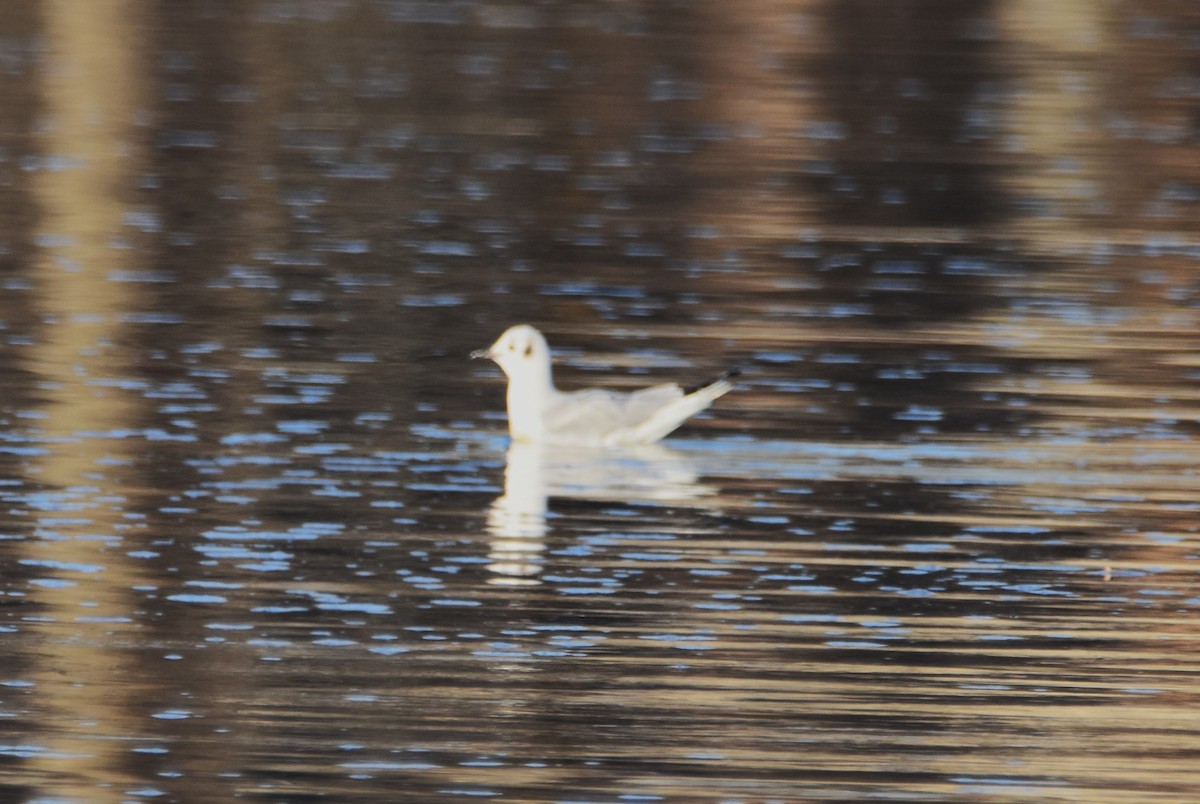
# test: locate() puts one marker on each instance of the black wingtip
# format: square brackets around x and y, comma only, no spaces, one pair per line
[729,375]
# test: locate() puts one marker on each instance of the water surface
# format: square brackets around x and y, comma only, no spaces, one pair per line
[264,536]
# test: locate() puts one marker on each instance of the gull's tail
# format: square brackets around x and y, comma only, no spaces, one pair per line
[720,382]
[692,400]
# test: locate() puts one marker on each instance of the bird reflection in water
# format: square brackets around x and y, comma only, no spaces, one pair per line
[517,520]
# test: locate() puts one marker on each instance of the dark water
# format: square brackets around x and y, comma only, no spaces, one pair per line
[264,538]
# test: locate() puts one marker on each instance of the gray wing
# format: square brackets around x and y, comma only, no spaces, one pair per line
[595,413]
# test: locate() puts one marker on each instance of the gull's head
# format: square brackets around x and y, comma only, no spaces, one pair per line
[521,351]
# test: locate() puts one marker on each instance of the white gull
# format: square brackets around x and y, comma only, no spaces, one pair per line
[540,413]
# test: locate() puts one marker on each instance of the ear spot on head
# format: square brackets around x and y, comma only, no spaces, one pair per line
[529,350]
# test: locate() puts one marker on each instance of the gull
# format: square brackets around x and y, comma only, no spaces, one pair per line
[540,413]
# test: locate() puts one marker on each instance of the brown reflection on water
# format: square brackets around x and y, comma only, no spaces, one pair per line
[82,603]
[1103,144]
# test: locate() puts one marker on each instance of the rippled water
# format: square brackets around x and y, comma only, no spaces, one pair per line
[264,536]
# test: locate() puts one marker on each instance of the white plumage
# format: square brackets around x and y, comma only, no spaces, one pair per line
[538,412]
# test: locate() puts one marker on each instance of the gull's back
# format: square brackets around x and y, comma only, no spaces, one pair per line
[598,417]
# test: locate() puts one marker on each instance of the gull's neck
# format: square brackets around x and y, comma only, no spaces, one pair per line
[530,390]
